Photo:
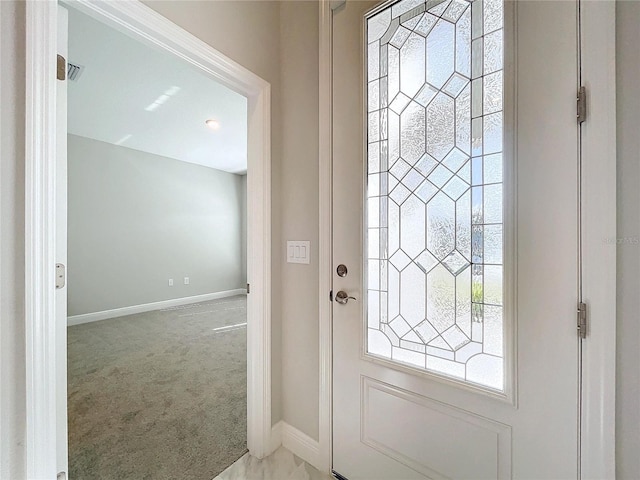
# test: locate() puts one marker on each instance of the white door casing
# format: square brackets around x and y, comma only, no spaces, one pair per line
[391,422]
[61,247]
[45,455]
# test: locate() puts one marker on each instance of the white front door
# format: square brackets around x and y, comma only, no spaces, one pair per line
[455,207]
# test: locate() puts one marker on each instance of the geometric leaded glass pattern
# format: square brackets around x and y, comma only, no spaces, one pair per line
[434,187]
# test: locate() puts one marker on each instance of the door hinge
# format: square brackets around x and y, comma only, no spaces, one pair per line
[61,275]
[582,320]
[331,295]
[582,105]
[248,288]
[61,70]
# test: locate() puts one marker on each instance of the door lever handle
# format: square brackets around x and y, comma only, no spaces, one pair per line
[343,297]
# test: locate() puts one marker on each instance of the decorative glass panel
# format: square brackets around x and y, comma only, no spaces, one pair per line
[435,196]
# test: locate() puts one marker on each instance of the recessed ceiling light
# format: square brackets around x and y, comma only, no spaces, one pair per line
[213,124]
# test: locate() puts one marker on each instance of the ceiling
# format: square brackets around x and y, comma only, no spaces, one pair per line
[133,95]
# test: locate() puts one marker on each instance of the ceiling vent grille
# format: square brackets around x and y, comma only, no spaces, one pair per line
[74,71]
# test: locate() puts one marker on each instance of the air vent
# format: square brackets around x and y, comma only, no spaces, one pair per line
[74,71]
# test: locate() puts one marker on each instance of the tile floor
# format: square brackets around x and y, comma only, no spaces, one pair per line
[280,465]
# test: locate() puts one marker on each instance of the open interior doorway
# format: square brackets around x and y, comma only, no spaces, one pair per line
[157,265]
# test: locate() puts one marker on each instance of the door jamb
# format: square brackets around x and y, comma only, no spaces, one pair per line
[597,456]
[325,169]
[598,225]
[143,23]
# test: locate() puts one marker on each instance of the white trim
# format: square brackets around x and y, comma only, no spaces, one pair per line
[301,445]
[150,307]
[276,436]
[40,184]
[143,23]
[599,240]
[325,330]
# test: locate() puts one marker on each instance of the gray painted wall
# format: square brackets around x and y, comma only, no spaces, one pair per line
[137,219]
[628,289]
[12,225]
[243,250]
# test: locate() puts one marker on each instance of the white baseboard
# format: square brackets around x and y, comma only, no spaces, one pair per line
[149,307]
[296,442]
[276,437]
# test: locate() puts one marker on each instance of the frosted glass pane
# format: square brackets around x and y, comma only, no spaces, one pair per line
[404,6]
[463,224]
[373,238]
[378,343]
[440,126]
[435,91]
[441,300]
[493,52]
[492,93]
[493,284]
[412,221]
[440,53]
[407,356]
[426,23]
[493,330]
[441,226]
[493,168]
[378,25]
[412,61]
[412,125]
[493,12]
[373,97]
[374,157]
[463,44]
[455,10]
[493,244]
[373,59]
[486,370]
[412,288]
[463,120]
[373,185]
[492,133]
[373,308]
[374,126]
[394,71]
[493,203]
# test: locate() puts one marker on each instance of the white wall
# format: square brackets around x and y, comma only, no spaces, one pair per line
[137,219]
[628,305]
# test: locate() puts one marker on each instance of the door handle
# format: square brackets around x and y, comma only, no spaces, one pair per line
[343,297]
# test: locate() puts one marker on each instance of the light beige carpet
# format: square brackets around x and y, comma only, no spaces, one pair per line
[158,395]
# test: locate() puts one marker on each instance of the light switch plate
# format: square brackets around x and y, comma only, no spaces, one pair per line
[298,251]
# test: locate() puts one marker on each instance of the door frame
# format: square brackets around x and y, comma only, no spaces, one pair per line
[144,24]
[597,229]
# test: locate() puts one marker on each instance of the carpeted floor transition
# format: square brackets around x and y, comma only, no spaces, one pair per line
[159,395]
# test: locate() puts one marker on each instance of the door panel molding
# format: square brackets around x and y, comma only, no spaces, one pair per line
[495,436]
[146,25]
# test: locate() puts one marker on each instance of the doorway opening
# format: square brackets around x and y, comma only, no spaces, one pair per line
[47,435]
[156,261]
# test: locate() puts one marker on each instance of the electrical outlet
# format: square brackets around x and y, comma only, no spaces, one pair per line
[186,280]
[171,282]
